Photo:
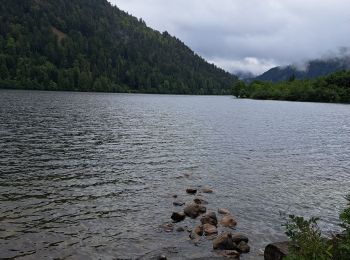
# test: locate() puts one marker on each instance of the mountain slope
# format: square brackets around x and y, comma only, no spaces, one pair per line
[89,45]
[313,69]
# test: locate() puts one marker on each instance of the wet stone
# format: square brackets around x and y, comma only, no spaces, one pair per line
[243,247]
[191,191]
[224,211]
[210,218]
[228,221]
[177,216]
[194,210]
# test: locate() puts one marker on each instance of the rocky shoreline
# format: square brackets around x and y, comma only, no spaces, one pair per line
[218,226]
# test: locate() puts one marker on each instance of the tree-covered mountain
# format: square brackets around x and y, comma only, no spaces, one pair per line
[310,70]
[89,45]
[331,88]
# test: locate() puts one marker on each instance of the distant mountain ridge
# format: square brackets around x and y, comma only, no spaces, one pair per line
[310,70]
[90,45]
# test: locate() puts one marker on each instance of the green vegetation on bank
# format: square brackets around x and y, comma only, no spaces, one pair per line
[307,242]
[89,45]
[332,88]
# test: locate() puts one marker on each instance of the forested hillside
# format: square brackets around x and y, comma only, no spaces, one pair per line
[89,45]
[332,88]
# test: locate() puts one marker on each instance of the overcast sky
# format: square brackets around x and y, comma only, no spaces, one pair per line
[250,35]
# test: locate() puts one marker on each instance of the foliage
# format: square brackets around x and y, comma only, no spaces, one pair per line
[307,242]
[89,45]
[332,88]
[306,238]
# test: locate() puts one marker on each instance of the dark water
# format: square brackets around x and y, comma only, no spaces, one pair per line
[89,176]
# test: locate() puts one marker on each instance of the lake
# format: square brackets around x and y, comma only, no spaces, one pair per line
[88,175]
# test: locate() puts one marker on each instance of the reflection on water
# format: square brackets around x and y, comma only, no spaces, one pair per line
[89,176]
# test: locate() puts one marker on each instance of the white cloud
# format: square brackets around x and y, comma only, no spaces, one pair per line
[229,31]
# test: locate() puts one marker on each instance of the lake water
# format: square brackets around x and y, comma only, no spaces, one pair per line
[91,176]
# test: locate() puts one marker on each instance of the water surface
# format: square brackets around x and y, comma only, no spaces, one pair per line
[88,176]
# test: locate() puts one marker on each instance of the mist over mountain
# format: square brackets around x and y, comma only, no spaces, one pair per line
[307,70]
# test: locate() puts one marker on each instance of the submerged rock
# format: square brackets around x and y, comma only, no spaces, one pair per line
[200,201]
[223,211]
[207,190]
[191,191]
[276,251]
[194,210]
[178,203]
[210,218]
[197,232]
[177,217]
[168,227]
[238,238]
[243,247]
[224,242]
[209,230]
[180,229]
[228,221]
[232,254]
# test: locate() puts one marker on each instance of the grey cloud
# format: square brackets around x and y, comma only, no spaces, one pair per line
[250,35]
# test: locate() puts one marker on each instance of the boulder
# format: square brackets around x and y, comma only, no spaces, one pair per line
[210,218]
[238,238]
[207,190]
[209,230]
[194,210]
[200,201]
[224,242]
[177,216]
[191,191]
[197,232]
[243,247]
[232,254]
[223,211]
[228,221]
[276,251]
[175,196]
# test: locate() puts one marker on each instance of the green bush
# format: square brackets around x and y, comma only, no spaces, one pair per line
[307,242]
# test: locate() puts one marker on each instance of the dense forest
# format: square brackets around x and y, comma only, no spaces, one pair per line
[89,45]
[310,70]
[332,88]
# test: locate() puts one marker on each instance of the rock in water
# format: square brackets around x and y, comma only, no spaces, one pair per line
[180,229]
[224,211]
[224,242]
[191,191]
[207,190]
[177,217]
[210,218]
[168,227]
[238,238]
[209,230]
[197,232]
[228,221]
[178,203]
[243,247]
[231,254]
[200,201]
[276,251]
[194,210]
